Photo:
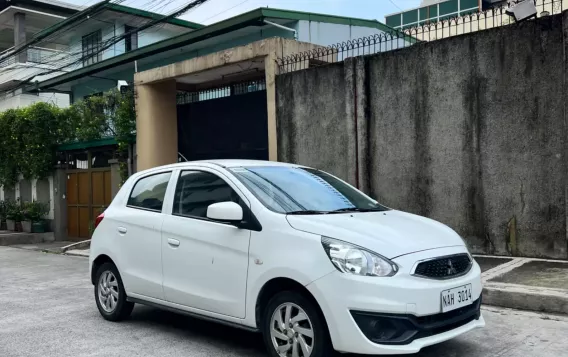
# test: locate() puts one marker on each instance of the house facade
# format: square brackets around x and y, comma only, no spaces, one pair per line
[60,41]
[207,92]
[43,40]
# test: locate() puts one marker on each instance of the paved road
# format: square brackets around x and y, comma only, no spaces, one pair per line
[47,309]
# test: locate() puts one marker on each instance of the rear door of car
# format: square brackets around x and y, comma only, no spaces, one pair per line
[138,235]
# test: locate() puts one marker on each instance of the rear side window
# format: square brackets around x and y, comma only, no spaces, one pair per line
[148,193]
[196,190]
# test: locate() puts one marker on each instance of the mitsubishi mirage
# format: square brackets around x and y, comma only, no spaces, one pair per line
[290,251]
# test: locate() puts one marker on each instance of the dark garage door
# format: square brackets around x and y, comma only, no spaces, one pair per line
[230,125]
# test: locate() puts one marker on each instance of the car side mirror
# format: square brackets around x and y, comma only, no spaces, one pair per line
[225,211]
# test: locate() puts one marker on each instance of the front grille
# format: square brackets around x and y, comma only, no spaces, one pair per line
[444,267]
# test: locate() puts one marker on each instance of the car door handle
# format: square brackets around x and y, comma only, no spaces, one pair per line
[173,242]
[122,230]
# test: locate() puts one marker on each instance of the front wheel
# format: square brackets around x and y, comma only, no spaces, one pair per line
[110,294]
[294,327]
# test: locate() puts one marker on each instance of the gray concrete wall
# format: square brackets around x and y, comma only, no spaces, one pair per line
[468,130]
[25,191]
[304,136]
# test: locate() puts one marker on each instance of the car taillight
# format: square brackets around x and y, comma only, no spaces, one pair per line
[99,219]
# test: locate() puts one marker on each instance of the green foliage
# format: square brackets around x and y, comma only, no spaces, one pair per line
[34,211]
[29,136]
[14,211]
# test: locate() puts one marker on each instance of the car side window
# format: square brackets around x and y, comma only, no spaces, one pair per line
[148,193]
[196,190]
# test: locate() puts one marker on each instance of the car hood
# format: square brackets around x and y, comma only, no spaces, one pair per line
[389,233]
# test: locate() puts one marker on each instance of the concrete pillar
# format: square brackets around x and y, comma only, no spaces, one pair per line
[20,36]
[270,68]
[51,214]
[351,121]
[115,178]
[17,188]
[34,190]
[362,119]
[156,124]
[59,204]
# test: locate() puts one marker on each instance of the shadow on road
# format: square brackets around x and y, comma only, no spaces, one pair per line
[210,332]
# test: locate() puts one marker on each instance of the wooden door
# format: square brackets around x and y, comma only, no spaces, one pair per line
[88,194]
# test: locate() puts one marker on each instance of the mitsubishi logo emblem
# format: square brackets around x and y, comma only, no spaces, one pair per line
[451,269]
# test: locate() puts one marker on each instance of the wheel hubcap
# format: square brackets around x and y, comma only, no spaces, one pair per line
[108,291]
[291,331]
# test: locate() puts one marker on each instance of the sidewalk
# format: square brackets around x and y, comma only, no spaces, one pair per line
[58,247]
[525,283]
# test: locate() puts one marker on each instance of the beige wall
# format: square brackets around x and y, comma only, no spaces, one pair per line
[156,96]
[156,124]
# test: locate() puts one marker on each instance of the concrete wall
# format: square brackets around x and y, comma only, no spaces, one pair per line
[468,130]
[303,141]
[32,190]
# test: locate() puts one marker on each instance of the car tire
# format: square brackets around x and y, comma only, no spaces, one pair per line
[304,319]
[110,295]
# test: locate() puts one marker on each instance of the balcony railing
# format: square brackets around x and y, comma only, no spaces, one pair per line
[36,55]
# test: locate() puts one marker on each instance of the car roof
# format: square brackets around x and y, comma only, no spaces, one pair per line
[228,163]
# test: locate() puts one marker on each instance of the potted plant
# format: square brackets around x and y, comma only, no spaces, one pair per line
[13,216]
[2,215]
[33,213]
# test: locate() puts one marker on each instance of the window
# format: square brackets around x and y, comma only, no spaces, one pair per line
[291,189]
[131,41]
[448,7]
[148,192]
[78,161]
[92,48]
[101,158]
[410,17]
[196,190]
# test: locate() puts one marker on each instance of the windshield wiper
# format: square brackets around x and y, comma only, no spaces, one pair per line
[355,209]
[306,212]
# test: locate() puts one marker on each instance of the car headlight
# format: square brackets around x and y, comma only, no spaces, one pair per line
[352,259]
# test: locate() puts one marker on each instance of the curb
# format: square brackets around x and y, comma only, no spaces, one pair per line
[77,253]
[522,297]
[77,246]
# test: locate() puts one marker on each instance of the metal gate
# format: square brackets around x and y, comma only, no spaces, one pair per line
[223,123]
[88,192]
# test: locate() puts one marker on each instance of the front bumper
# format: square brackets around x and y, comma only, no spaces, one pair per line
[395,315]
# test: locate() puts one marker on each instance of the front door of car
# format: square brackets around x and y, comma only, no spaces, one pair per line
[205,262]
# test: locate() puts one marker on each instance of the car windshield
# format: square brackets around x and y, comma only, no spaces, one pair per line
[296,190]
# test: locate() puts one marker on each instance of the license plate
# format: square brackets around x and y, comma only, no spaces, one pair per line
[457,297]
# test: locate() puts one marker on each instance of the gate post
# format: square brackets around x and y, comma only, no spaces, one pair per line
[60,204]
[114,177]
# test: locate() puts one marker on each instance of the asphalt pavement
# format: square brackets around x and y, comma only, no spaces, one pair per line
[47,309]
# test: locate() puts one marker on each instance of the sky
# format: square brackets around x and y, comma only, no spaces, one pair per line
[218,10]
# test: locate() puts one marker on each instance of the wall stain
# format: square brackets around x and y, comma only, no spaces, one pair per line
[420,115]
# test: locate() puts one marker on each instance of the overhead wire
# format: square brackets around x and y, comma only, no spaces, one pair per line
[88,15]
[226,10]
[109,42]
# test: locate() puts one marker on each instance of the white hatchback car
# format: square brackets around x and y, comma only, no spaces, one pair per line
[291,251]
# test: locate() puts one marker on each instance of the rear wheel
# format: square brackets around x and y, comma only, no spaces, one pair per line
[294,327]
[110,295]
